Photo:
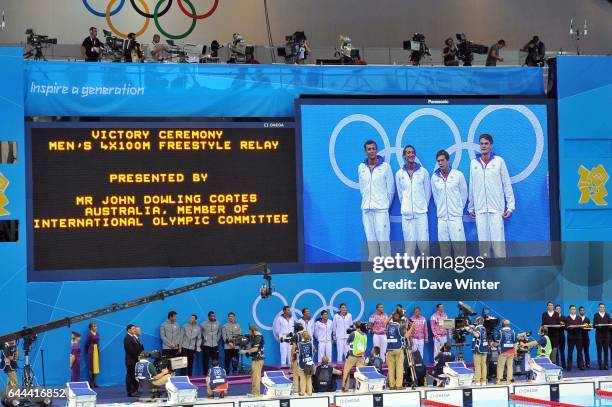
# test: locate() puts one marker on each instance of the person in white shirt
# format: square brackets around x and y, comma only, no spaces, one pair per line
[157,50]
[342,321]
[491,198]
[307,322]
[450,193]
[283,325]
[414,192]
[323,329]
[377,189]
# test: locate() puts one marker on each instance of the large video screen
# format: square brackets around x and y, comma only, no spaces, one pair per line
[334,130]
[143,194]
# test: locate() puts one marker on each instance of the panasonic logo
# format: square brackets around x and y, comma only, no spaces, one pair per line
[437,102]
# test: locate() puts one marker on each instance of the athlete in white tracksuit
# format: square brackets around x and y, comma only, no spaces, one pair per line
[491,198]
[342,321]
[450,194]
[282,326]
[377,189]
[323,330]
[414,192]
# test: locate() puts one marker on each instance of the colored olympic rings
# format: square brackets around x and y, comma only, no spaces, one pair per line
[148,15]
[174,37]
[193,13]
[99,14]
[119,33]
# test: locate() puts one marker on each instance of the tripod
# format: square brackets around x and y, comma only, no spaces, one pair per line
[241,368]
[411,365]
[35,52]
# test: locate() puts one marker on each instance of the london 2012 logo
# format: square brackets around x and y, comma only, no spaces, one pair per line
[592,185]
[112,8]
[3,199]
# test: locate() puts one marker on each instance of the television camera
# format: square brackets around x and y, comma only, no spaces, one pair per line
[37,42]
[362,326]
[162,362]
[113,46]
[466,49]
[418,47]
[293,337]
[240,51]
[241,341]
[295,49]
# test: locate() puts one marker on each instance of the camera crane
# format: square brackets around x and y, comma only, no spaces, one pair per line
[28,334]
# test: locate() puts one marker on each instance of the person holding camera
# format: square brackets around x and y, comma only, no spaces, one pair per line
[506,338]
[325,376]
[292,339]
[230,329]
[283,326]
[544,344]
[304,349]
[444,356]
[395,355]
[449,53]
[191,341]
[480,350]
[536,52]
[91,48]
[256,353]
[357,342]
[10,355]
[146,371]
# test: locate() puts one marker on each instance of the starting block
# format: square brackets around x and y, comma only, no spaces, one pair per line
[544,371]
[80,395]
[368,379]
[458,375]
[180,390]
[276,384]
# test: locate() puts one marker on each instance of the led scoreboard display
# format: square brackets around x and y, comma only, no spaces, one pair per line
[125,195]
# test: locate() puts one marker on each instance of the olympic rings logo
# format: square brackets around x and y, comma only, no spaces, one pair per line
[331,308]
[456,148]
[145,12]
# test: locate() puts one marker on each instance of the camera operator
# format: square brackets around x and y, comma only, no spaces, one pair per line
[493,56]
[10,354]
[229,330]
[145,370]
[292,339]
[449,53]
[157,50]
[129,47]
[444,355]
[357,343]
[324,379]
[480,350]
[304,361]
[91,48]
[395,355]
[536,52]
[544,344]
[256,352]
[506,338]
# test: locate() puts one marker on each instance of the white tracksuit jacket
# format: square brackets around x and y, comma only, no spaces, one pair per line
[450,195]
[490,187]
[413,192]
[377,187]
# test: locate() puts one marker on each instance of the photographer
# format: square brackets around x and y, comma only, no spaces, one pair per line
[324,379]
[506,338]
[544,344]
[145,370]
[536,52]
[10,354]
[480,349]
[449,53]
[304,361]
[444,356]
[395,356]
[292,339]
[91,48]
[256,352]
[357,343]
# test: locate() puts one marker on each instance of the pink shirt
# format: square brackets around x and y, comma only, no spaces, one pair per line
[378,323]
[436,322]
[420,331]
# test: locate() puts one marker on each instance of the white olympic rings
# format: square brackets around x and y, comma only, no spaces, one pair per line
[457,148]
[324,305]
